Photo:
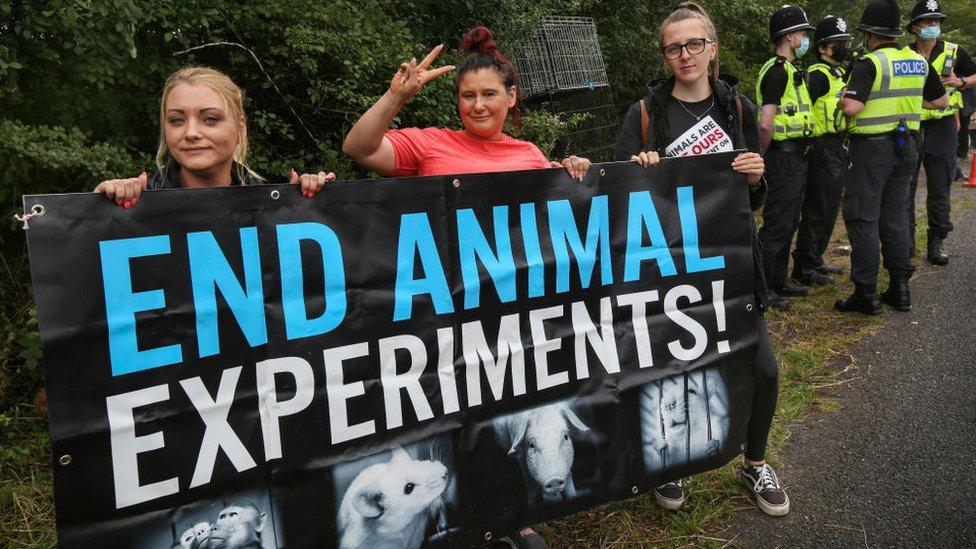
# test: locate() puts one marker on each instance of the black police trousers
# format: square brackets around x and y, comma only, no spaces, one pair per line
[826,165]
[786,175]
[764,402]
[875,193]
[940,171]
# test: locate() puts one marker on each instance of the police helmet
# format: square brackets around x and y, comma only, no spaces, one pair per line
[925,9]
[832,28]
[786,20]
[882,17]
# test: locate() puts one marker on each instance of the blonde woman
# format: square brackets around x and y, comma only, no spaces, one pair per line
[202,140]
[695,97]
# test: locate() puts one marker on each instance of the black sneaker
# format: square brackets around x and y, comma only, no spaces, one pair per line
[764,486]
[670,496]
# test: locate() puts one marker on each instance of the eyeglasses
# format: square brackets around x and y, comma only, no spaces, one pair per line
[694,46]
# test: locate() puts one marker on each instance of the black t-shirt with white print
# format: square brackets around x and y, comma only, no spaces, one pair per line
[695,128]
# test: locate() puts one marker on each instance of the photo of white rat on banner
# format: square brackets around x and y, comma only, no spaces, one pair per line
[396,499]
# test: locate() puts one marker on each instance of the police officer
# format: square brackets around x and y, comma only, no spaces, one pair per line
[827,158]
[883,101]
[785,126]
[939,127]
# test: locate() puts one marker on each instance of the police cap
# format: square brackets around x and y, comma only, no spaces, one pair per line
[788,19]
[882,17]
[832,28]
[925,9]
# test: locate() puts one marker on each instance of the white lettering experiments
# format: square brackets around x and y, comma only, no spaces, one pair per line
[684,418]
[498,359]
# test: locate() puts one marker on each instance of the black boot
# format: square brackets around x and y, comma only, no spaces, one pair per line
[860,302]
[936,256]
[830,269]
[897,295]
[911,249]
[788,289]
[811,277]
[777,302]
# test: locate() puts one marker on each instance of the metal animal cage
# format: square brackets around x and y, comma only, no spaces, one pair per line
[561,70]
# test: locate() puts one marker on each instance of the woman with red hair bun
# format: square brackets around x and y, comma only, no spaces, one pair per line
[487,94]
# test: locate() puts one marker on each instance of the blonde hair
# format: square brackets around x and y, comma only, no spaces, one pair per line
[229,93]
[691,10]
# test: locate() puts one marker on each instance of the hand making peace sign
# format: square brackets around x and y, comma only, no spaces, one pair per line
[411,77]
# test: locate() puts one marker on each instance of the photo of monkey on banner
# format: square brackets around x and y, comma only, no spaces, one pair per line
[398,499]
[241,521]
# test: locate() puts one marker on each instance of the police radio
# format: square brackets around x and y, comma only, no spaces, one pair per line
[950,62]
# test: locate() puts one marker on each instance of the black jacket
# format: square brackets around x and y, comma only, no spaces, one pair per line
[169,177]
[744,137]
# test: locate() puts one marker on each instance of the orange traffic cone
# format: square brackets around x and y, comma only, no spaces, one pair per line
[971,182]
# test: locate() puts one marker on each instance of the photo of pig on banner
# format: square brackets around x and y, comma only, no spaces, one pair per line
[415,362]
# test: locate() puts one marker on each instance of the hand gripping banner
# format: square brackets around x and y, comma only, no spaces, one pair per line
[419,362]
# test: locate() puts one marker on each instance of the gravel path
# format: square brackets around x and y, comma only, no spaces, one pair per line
[894,465]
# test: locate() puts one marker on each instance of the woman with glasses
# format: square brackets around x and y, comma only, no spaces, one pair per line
[655,127]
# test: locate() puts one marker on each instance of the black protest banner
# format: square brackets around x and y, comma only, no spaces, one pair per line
[395,363]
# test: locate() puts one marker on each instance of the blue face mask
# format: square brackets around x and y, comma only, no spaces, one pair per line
[804,46]
[929,33]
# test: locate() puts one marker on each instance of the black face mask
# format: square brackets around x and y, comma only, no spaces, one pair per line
[841,52]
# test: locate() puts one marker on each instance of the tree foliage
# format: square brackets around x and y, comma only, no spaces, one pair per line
[80,81]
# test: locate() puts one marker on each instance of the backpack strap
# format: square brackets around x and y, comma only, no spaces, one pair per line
[645,124]
[738,111]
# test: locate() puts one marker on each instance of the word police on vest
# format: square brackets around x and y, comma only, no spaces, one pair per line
[909,67]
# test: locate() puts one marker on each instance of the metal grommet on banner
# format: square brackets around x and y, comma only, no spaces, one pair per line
[749,307]
[275,194]
[487,534]
[634,490]
[37,210]
[457,185]
[65,460]
[603,172]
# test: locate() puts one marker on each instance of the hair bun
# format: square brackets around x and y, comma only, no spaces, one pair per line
[691,6]
[479,40]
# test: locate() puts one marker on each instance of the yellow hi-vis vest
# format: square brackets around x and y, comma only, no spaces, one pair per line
[825,120]
[793,114]
[896,93]
[955,97]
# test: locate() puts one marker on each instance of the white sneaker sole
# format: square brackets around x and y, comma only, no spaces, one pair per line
[772,510]
[669,504]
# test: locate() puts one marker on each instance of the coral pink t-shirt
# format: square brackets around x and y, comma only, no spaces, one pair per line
[437,151]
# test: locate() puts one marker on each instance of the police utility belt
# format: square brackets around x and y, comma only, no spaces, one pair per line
[796,145]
